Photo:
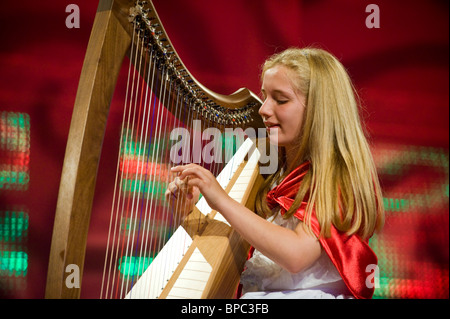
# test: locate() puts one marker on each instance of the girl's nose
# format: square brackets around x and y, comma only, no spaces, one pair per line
[265,110]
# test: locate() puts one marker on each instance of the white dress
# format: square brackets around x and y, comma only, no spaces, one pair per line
[263,278]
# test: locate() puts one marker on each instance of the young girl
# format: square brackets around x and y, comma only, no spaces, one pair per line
[324,202]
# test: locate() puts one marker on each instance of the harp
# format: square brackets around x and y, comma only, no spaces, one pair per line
[159,80]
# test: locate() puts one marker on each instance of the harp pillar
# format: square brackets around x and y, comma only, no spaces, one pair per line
[107,47]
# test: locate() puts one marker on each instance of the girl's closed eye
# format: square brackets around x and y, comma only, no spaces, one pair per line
[281,102]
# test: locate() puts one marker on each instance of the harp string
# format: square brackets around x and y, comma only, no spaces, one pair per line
[130,181]
[143,218]
[111,262]
[136,205]
[151,159]
[155,236]
[154,201]
[144,162]
[164,159]
[167,215]
[141,223]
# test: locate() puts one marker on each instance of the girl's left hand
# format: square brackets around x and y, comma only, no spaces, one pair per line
[205,181]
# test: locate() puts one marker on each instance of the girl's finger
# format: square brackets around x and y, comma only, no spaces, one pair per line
[179,168]
[172,187]
[193,173]
[168,194]
[182,168]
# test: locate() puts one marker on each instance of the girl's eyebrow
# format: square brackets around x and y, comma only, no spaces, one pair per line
[275,92]
[280,92]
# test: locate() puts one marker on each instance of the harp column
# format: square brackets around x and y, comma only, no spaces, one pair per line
[107,47]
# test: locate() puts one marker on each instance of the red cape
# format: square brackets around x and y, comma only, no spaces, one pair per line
[350,254]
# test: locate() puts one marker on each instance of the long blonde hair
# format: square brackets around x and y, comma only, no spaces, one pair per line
[342,185]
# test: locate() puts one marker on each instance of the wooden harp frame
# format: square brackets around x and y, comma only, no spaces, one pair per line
[109,43]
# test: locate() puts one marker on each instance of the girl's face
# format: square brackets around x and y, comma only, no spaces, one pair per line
[283,107]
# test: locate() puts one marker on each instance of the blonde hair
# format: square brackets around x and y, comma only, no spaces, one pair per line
[341,185]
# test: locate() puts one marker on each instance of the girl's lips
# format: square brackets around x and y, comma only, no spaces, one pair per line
[271,125]
[272,129]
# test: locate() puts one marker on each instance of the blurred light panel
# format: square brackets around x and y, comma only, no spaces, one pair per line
[13,250]
[413,248]
[14,218]
[134,266]
[14,151]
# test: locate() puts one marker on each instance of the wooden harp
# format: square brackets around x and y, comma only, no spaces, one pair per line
[132,28]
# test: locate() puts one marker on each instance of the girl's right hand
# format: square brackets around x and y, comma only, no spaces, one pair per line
[181,196]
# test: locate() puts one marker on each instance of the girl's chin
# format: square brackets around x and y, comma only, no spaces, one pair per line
[275,141]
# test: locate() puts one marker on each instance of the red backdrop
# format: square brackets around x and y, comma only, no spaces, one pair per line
[400,70]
